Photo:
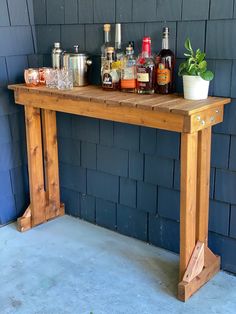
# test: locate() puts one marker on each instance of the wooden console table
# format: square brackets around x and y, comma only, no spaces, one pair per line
[193,119]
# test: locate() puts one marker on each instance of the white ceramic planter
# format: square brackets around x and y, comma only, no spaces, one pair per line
[195,88]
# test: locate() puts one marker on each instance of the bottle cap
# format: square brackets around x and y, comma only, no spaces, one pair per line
[146,47]
[131,44]
[110,49]
[107,27]
[166,30]
[57,45]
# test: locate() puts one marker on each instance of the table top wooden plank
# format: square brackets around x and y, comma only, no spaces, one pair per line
[167,103]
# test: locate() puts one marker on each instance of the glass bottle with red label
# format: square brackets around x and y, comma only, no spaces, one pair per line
[145,69]
[165,63]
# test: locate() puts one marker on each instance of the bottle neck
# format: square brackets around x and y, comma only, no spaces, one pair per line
[107,37]
[165,42]
[118,36]
[118,45]
[146,51]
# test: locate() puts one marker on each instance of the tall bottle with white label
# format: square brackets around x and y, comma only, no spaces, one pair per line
[106,44]
[165,63]
[146,69]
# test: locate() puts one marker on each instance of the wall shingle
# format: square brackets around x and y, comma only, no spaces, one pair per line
[147,6]
[224,48]
[195,10]
[106,214]
[104,11]
[112,160]
[71,11]
[103,185]
[123,11]
[159,171]
[147,197]
[128,192]
[4,16]
[132,222]
[195,30]
[219,11]
[169,10]
[55,11]
[18,11]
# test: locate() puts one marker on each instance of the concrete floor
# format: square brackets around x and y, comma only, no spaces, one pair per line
[70,266]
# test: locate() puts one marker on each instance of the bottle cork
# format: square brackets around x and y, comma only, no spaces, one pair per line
[107,27]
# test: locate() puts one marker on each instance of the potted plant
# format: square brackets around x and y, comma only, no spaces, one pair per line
[196,76]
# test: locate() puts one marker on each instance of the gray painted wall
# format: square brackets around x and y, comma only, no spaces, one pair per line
[124,177]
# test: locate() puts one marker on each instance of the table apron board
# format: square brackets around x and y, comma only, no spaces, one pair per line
[197,263]
[149,118]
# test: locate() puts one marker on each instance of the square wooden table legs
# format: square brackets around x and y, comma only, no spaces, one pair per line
[42,150]
[197,263]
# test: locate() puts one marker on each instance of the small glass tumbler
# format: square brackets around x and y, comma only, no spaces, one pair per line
[31,77]
[51,77]
[65,79]
[42,75]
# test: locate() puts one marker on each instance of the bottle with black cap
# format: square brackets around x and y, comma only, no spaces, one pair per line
[165,63]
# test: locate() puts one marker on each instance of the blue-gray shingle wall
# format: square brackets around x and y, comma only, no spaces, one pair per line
[124,177]
[16,47]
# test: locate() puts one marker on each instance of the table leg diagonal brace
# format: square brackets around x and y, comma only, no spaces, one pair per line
[42,151]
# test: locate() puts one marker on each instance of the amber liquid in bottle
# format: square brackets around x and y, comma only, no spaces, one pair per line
[165,63]
[145,69]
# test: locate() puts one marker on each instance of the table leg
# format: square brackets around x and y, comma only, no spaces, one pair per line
[203,184]
[35,214]
[44,203]
[54,208]
[188,198]
[203,264]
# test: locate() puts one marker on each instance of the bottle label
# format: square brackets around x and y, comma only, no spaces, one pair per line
[107,81]
[128,83]
[163,75]
[143,77]
[128,73]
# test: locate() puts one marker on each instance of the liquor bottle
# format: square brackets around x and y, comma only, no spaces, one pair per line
[107,43]
[57,56]
[110,73]
[118,49]
[128,71]
[165,63]
[145,69]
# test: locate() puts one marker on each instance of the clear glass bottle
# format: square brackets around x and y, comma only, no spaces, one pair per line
[106,44]
[146,69]
[128,71]
[110,73]
[165,63]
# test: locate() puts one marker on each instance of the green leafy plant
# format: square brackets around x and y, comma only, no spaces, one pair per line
[195,64]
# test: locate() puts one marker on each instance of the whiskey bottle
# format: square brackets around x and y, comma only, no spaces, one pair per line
[110,73]
[145,69]
[165,63]
[107,43]
[128,71]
